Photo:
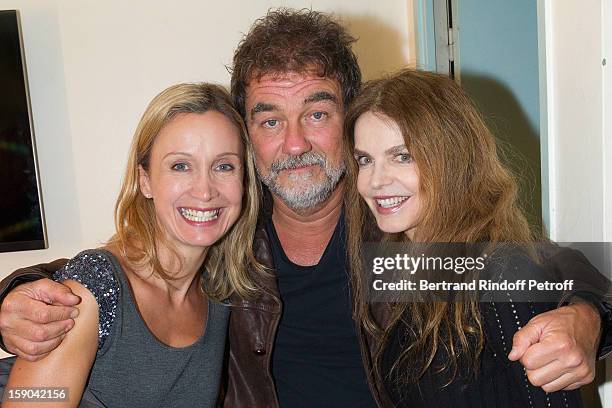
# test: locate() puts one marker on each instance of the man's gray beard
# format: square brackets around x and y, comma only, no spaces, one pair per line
[301,198]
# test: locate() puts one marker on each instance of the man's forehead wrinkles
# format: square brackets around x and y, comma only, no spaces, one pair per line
[269,94]
[268,83]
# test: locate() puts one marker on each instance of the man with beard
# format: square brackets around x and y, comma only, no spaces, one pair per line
[295,344]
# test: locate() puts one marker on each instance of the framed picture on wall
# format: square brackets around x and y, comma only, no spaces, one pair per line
[22,225]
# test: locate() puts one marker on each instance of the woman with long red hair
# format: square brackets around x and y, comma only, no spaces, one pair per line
[423,166]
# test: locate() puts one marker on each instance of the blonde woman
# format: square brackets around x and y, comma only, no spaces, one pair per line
[152,324]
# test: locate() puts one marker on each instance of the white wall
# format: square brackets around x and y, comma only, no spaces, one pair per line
[94,65]
[575,119]
[578,36]
[607,123]
[606,390]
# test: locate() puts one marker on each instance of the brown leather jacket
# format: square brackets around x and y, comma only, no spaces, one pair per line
[252,330]
[253,325]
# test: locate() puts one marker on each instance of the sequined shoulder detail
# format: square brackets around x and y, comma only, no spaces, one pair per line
[94,270]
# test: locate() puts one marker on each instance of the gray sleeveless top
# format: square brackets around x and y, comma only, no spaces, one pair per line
[132,367]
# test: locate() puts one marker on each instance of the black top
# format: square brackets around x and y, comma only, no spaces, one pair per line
[499,383]
[317,360]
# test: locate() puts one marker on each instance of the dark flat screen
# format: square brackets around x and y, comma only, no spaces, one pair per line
[21,220]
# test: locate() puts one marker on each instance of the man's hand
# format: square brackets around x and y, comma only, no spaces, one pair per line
[558,347]
[35,316]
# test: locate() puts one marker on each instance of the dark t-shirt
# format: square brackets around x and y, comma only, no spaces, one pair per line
[317,361]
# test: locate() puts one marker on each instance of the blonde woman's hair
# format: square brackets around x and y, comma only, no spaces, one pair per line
[229,261]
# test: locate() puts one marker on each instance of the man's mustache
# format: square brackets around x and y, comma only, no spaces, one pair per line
[294,162]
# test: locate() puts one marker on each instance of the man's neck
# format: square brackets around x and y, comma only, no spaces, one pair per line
[304,235]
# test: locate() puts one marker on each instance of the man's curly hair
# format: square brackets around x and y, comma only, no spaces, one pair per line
[288,40]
